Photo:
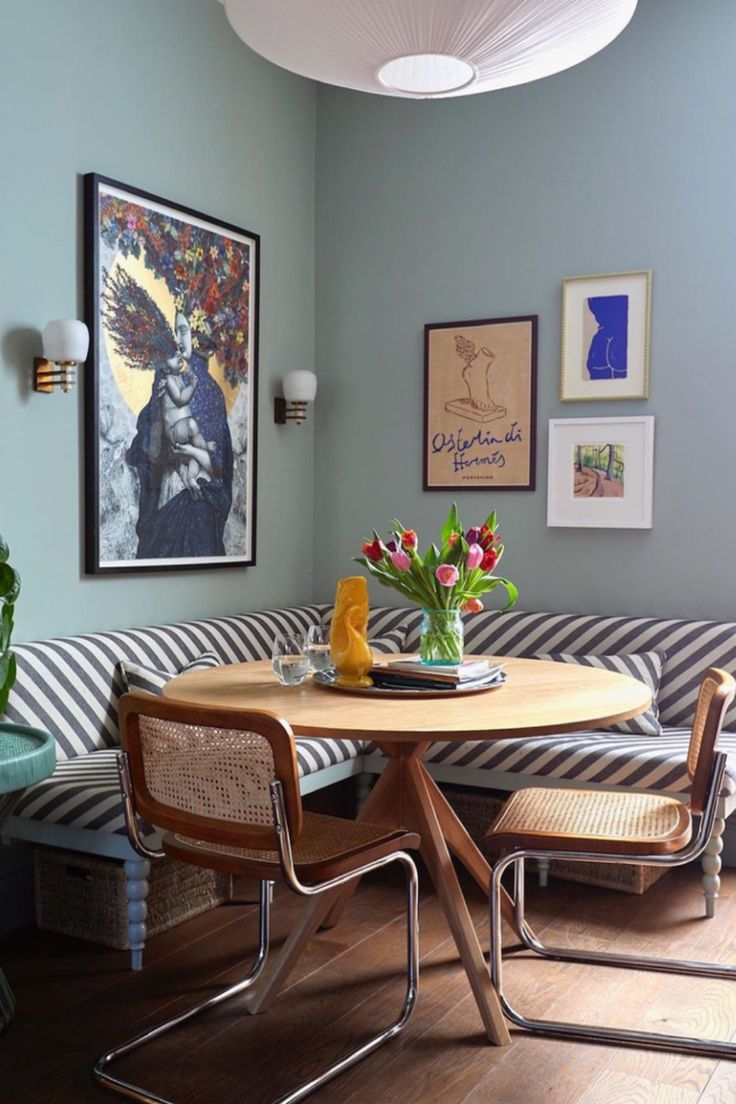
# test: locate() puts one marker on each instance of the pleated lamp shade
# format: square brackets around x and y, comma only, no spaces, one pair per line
[428,48]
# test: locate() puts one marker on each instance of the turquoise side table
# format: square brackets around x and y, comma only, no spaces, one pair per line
[27,755]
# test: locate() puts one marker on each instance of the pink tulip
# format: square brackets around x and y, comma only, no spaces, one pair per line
[447,575]
[475,557]
[400,560]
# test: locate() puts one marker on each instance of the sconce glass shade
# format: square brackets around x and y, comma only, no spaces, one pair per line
[66,339]
[300,386]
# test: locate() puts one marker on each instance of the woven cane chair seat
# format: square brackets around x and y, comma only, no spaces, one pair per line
[327,846]
[591,820]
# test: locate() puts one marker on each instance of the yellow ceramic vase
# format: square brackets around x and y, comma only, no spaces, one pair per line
[349,634]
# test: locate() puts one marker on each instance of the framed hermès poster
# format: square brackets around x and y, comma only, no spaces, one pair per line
[171,387]
[480,404]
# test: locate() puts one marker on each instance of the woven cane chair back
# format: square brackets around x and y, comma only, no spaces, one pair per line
[716,694]
[207,773]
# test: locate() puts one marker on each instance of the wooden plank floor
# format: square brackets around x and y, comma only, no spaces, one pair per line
[75,999]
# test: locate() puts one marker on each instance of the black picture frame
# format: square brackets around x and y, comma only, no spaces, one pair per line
[481,459]
[94,562]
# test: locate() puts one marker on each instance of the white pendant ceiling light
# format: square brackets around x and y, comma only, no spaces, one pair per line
[428,48]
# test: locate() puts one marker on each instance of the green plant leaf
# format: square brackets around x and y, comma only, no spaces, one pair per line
[452,524]
[6,627]
[7,678]
[9,583]
[4,550]
[512,592]
[492,521]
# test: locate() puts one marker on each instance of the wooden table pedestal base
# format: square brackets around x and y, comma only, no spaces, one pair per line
[405,795]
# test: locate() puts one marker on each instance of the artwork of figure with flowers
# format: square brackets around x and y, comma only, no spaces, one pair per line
[447,580]
[171,406]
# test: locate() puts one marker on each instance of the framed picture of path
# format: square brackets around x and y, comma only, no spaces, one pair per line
[171,385]
[601,473]
[606,322]
[480,404]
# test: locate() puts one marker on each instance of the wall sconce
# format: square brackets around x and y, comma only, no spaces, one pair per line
[65,344]
[299,389]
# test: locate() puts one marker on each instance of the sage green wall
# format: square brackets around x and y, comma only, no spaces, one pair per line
[477,207]
[161,95]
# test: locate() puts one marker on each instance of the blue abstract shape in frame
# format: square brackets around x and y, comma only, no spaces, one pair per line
[608,352]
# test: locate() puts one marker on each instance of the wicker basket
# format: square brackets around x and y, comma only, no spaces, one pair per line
[477,808]
[85,896]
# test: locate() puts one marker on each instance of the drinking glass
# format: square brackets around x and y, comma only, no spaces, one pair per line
[318,649]
[290,660]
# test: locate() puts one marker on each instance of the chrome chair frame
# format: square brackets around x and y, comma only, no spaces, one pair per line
[286,859]
[709,1048]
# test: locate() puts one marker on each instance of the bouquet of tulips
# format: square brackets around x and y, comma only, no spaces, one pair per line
[450,576]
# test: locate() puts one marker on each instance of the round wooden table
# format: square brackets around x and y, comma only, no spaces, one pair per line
[539,698]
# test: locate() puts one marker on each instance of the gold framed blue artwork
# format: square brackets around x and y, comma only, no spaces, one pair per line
[171,385]
[606,325]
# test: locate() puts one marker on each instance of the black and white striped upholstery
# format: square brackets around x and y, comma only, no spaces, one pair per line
[151,680]
[70,687]
[592,758]
[383,621]
[646,667]
[689,647]
[84,792]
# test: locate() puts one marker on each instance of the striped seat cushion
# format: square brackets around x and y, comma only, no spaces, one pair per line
[600,758]
[85,792]
[690,647]
[70,687]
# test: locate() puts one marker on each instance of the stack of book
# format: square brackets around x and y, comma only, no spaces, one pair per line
[411,674]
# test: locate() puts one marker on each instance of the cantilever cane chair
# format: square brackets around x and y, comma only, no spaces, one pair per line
[601,826]
[223,786]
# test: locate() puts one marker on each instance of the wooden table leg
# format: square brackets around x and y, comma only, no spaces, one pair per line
[314,912]
[382,806]
[406,795]
[463,847]
[439,863]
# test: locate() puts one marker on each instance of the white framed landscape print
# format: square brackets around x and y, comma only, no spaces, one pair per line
[601,472]
[605,336]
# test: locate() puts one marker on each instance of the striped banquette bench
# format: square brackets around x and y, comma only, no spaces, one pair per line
[71,686]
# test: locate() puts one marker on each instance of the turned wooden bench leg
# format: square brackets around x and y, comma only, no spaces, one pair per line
[711,864]
[136,872]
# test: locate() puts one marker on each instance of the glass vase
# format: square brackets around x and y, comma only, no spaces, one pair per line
[441,637]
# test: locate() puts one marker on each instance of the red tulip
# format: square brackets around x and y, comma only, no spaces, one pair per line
[373,550]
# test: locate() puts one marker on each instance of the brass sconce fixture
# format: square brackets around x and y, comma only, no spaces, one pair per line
[300,389]
[65,345]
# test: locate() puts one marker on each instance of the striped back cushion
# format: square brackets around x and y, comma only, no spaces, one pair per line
[647,668]
[689,647]
[70,686]
[151,680]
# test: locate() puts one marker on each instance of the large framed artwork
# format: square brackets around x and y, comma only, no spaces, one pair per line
[171,385]
[480,404]
[606,323]
[601,472]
